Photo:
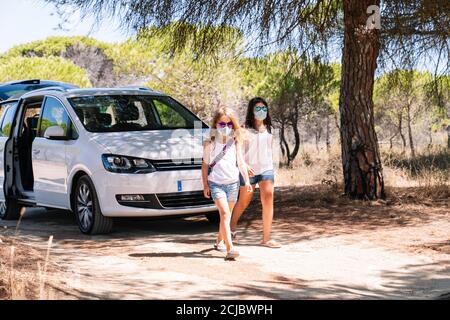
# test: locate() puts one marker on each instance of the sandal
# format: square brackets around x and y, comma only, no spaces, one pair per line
[233,235]
[220,247]
[232,255]
[271,244]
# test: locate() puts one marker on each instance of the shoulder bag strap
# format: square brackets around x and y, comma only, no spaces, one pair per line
[222,153]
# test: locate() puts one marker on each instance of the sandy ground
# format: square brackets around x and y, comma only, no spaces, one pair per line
[332,249]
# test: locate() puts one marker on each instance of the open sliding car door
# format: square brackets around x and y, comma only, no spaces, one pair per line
[9,208]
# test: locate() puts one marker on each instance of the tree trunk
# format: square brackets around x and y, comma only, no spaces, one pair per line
[391,141]
[283,151]
[327,137]
[296,140]
[363,173]
[317,135]
[286,145]
[448,137]
[400,131]
[430,138]
[410,136]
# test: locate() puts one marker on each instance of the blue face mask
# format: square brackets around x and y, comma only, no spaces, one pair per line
[260,114]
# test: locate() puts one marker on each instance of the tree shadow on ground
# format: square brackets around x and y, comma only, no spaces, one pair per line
[422,163]
[411,282]
[301,213]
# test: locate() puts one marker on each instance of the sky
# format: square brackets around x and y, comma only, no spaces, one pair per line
[23,21]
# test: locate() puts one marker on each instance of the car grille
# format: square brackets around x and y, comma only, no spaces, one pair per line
[183,199]
[172,165]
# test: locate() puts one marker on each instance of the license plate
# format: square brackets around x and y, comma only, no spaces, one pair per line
[189,184]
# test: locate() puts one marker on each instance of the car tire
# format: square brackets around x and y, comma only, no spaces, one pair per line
[213,217]
[87,209]
[9,209]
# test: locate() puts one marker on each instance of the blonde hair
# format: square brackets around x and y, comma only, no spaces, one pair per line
[228,112]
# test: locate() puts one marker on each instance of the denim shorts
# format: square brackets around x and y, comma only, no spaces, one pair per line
[228,191]
[265,176]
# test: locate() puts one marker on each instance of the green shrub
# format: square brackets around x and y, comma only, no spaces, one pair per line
[52,46]
[50,68]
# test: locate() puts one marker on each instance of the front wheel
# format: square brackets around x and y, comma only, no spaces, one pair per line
[87,209]
[9,209]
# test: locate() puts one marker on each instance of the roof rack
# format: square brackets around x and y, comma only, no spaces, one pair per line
[54,88]
[31,81]
[136,88]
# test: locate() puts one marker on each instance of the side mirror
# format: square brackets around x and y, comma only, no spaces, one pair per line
[55,133]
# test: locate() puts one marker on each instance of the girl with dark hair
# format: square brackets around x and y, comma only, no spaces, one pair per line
[259,158]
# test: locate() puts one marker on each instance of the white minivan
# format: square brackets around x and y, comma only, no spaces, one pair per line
[101,153]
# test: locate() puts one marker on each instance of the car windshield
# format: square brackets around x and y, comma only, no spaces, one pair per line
[115,113]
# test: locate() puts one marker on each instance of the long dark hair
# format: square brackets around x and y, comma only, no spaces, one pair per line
[250,118]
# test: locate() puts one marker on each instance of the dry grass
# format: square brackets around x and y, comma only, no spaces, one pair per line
[429,171]
[23,270]
[312,168]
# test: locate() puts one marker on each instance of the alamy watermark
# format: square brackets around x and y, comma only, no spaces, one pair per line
[188,146]
[374,20]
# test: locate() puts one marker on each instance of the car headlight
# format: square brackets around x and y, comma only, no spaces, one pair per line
[123,164]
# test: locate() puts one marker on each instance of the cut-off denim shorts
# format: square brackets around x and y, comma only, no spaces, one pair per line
[228,191]
[266,175]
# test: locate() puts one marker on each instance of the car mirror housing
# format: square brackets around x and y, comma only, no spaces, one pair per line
[55,133]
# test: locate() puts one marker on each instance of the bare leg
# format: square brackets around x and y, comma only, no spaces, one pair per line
[225,217]
[220,236]
[266,190]
[244,200]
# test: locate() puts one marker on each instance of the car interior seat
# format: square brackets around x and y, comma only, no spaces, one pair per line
[125,118]
[25,160]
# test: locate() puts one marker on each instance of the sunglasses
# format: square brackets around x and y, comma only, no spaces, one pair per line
[224,124]
[261,108]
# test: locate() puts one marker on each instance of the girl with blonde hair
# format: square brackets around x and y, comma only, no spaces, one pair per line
[222,162]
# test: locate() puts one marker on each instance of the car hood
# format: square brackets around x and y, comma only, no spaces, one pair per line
[157,145]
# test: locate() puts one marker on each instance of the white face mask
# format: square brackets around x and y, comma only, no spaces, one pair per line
[226,131]
[260,115]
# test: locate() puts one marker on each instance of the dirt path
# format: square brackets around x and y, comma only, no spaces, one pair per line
[337,250]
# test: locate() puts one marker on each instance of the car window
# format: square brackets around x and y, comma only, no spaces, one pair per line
[168,116]
[7,122]
[116,113]
[73,131]
[5,106]
[54,114]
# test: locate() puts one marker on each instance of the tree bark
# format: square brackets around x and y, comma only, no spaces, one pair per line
[285,144]
[448,137]
[317,135]
[296,140]
[363,173]
[410,136]
[327,138]
[430,138]
[400,131]
[391,141]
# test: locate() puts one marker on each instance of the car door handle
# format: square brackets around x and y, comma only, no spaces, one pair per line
[36,151]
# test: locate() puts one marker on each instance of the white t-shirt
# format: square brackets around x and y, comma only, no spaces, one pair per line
[258,150]
[226,170]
